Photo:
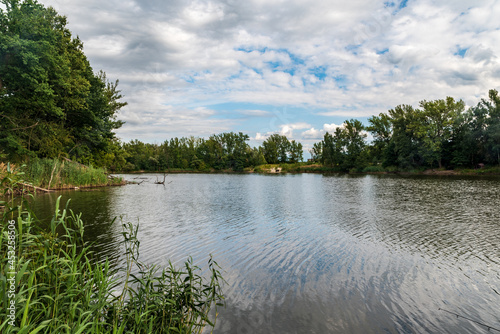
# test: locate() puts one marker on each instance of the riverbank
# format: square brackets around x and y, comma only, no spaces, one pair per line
[319,168]
[44,175]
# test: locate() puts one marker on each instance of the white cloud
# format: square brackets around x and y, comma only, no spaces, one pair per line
[317,135]
[312,134]
[332,127]
[343,58]
[287,129]
[260,136]
[256,113]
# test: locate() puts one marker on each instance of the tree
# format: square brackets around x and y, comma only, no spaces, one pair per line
[317,152]
[296,152]
[334,147]
[492,132]
[435,128]
[354,145]
[381,129]
[51,102]
[405,141]
[276,149]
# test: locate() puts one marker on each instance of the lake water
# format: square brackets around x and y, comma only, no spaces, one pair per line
[311,253]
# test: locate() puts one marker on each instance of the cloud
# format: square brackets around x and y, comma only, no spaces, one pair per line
[256,113]
[329,59]
[284,130]
[332,127]
[260,136]
[319,134]
[312,134]
[287,129]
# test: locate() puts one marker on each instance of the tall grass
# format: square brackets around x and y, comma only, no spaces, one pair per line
[54,173]
[59,286]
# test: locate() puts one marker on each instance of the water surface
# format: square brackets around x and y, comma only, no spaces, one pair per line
[310,253]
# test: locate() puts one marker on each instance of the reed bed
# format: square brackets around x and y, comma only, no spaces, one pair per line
[54,173]
[56,284]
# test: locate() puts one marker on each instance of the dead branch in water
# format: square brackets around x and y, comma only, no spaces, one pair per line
[161,182]
[36,188]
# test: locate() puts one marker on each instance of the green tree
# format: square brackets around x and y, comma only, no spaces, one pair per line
[334,147]
[354,145]
[51,102]
[317,152]
[405,143]
[381,129]
[492,131]
[296,152]
[435,128]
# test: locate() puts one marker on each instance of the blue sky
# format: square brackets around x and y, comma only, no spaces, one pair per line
[298,68]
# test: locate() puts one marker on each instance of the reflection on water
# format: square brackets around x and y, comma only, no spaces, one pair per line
[320,254]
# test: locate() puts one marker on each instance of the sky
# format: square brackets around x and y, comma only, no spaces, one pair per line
[297,68]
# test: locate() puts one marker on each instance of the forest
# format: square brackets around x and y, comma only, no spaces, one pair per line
[53,105]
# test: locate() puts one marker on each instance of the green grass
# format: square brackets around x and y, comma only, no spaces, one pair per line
[481,171]
[60,286]
[54,173]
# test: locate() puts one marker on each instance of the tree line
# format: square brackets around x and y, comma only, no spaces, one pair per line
[225,151]
[439,134]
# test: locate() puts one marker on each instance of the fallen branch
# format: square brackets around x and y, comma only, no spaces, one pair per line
[36,188]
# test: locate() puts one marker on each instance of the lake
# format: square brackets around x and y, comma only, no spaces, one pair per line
[312,253]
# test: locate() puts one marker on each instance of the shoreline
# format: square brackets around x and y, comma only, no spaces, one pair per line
[324,170]
[24,188]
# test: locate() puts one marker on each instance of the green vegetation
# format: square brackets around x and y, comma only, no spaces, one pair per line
[225,151]
[56,284]
[54,174]
[52,104]
[441,134]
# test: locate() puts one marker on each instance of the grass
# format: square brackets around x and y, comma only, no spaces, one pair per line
[481,171]
[57,174]
[51,282]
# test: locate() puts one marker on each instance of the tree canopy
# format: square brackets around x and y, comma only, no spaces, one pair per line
[51,102]
[441,133]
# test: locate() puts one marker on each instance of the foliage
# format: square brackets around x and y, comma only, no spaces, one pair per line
[52,104]
[345,149]
[11,177]
[62,287]
[278,149]
[441,134]
[373,169]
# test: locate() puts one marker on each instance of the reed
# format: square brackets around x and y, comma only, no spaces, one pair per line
[61,286]
[54,173]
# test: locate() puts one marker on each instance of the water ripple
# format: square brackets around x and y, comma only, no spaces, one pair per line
[321,254]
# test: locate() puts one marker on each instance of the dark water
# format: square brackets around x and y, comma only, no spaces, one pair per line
[320,254]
